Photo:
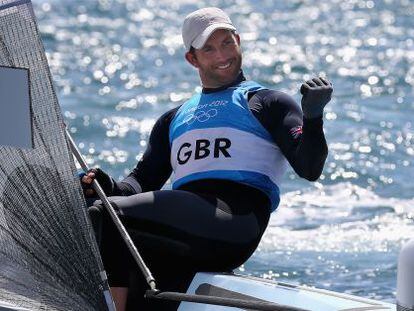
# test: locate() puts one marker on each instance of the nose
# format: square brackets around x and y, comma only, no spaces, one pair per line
[221,54]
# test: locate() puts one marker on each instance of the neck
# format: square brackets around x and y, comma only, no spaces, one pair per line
[240,77]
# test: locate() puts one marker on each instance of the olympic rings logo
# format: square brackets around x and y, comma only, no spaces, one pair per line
[200,116]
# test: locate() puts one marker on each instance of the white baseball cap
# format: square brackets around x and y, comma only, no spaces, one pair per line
[199,25]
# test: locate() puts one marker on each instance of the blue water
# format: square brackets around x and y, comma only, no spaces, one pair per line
[118,65]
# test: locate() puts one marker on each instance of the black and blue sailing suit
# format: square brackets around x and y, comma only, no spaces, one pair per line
[227,149]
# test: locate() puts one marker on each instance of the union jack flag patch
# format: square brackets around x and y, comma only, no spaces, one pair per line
[296,131]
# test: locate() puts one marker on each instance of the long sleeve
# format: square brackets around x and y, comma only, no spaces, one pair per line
[154,168]
[302,141]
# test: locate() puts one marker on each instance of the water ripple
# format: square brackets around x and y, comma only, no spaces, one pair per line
[119,64]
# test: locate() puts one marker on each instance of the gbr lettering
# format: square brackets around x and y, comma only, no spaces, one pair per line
[203,148]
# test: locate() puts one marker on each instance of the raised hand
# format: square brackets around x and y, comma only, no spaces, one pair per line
[316,94]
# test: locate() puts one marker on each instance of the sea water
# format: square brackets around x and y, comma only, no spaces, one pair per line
[118,65]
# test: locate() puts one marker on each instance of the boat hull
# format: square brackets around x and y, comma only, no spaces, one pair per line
[255,289]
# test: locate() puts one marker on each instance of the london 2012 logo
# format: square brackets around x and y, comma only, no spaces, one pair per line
[200,116]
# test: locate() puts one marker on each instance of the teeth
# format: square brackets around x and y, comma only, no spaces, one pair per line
[224,66]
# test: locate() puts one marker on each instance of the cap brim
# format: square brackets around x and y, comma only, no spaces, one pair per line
[199,42]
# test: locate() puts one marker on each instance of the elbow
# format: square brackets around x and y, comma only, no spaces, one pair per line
[312,171]
[311,175]
[310,167]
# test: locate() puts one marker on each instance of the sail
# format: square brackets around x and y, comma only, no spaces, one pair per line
[49,259]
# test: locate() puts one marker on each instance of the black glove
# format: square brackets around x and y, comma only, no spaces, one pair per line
[106,182]
[316,94]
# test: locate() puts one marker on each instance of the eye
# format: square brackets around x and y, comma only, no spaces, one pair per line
[228,42]
[207,49]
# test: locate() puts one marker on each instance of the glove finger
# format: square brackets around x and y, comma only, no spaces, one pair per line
[304,89]
[101,176]
[311,83]
[318,81]
[92,170]
[84,184]
[325,81]
[88,178]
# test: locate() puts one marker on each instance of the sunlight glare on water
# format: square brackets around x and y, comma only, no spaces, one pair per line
[119,64]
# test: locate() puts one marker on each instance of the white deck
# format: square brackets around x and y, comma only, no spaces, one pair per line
[284,294]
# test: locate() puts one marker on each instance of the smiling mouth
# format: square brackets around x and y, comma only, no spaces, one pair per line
[225,66]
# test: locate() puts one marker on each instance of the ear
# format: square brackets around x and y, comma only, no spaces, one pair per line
[192,59]
[237,36]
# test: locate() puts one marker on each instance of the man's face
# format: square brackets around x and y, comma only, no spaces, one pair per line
[219,60]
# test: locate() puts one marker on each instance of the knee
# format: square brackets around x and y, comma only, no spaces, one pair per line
[96,217]
[95,213]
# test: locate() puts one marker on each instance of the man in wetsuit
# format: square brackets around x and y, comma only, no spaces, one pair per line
[227,148]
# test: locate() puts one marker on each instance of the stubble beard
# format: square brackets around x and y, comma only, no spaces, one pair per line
[219,80]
